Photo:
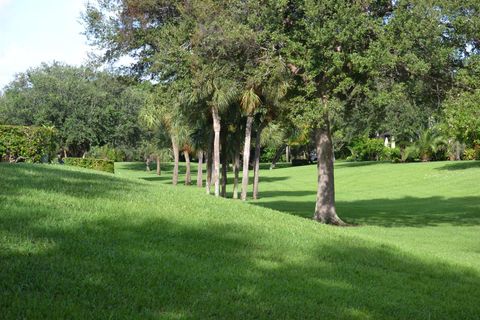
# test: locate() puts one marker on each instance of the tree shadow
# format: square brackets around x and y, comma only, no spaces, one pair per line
[404,212]
[349,164]
[460,165]
[80,183]
[155,268]
[72,264]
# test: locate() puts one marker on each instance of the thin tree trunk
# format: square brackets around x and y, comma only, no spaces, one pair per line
[216,150]
[246,157]
[325,211]
[200,169]
[277,156]
[256,169]
[236,170]
[188,175]
[208,182]
[176,156]
[159,170]
[147,164]
[224,170]
[287,153]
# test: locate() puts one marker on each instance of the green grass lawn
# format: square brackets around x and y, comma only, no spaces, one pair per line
[78,244]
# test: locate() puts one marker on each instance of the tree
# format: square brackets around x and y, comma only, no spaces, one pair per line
[88,108]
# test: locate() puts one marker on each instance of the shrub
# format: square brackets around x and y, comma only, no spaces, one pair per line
[107,153]
[366,149]
[394,155]
[31,144]
[94,164]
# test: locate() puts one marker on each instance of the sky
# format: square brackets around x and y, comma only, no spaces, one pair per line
[36,31]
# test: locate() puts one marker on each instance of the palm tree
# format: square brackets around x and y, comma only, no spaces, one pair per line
[425,147]
[250,102]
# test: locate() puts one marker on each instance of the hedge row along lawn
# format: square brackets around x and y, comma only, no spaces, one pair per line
[80,244]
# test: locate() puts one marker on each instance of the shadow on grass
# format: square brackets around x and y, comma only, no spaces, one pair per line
[348,164]
[157,178]
[147,268]
[158,269]
[174,271]
[460,165]
[83,184]
[408,211]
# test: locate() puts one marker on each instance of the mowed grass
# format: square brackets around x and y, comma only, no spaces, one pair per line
[78,244]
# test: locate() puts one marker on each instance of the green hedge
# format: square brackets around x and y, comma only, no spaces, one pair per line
[89,163]
[31,144]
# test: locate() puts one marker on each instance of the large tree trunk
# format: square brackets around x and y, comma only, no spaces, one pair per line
[277,156]
[176,159]
[246,157]
[200,169]
[159,170]
[216,150]
[325,207]
[256,169]
[236,170]
[188,175]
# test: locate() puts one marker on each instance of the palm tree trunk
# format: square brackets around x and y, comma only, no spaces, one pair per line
[176,158]
[200,169]
[325,211]
[224,170]
[147,164]
[277,156]
[236,170]
[216,150]
[246,157]
[208,164]
[159,170]
[188,175]
[256,169]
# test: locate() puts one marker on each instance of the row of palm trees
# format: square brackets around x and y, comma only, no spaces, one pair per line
[218,137]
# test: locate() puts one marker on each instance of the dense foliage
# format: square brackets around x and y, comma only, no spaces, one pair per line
[87,108]
[29,144]
[90,163]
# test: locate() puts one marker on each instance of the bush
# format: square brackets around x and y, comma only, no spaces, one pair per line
[394,155]
[366,149]
[107,153]
[30,144]
[94,164]
[471,153]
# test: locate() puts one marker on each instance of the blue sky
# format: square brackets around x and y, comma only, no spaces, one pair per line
[35,31]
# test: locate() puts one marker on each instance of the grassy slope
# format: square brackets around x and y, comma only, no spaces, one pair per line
[77,244]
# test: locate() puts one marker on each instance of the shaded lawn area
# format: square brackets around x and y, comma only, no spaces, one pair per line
[77,244]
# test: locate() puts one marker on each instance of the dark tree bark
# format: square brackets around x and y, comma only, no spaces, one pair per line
[176,159]
[246,156]
[216,150]
[200,169]
[224,173]
[277,156]
[188,175]
[159,170]
[325,211]
[236,171]
[256,169]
